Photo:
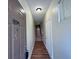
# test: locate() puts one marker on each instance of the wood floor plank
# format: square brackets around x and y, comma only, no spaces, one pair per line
[39,51]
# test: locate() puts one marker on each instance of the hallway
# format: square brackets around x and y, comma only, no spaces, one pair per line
[39,51]
[39,29]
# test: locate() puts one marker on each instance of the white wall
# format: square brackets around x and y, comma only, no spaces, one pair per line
[58,35]
[48,35]
[30,36]
[49,42]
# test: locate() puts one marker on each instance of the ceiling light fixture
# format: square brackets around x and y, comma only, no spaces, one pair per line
[38,9]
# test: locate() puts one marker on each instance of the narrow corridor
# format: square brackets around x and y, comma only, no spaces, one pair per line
[39,29]
[39,51]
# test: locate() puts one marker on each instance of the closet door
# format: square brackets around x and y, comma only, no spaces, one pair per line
[15,41]
[22,43]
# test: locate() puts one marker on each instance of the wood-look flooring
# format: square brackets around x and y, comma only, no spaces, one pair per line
[39,51]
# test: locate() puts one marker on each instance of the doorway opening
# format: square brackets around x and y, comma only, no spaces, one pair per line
[38,33]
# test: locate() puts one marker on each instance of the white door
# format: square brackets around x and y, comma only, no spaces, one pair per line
[22,43]
[15,41]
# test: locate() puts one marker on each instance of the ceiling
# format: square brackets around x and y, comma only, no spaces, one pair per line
[34,4]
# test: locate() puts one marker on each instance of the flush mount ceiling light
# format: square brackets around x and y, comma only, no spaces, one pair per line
[39,9]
